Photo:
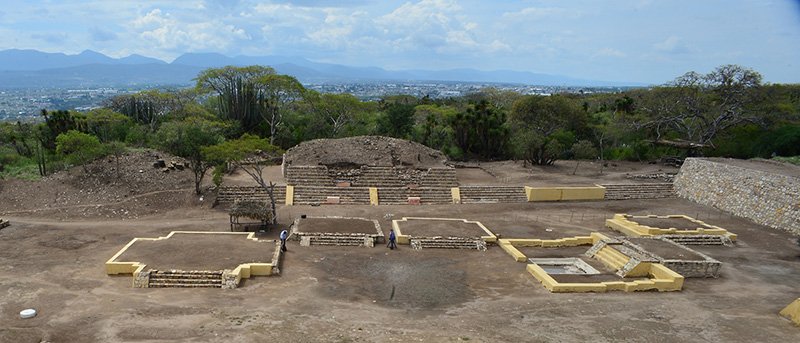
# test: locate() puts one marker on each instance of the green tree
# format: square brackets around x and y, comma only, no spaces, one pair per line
[186,139]
[116,148]
[250,154]
[337,110]
[582,150]
[693,110]
[537,123]
[481,131]
[106,124]
[79,148]
[237,92]
[275,94]
[396,120]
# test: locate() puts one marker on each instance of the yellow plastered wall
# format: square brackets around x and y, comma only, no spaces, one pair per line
[596,192]
[114,267]
[629,227]
[542,194]
[289,195]
[373,196]
[510,245]
[661,279]
[792,311]
[611,257]
[583,193]
[456,193]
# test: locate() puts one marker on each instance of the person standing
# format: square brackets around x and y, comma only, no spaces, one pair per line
[284,236]
[392,240]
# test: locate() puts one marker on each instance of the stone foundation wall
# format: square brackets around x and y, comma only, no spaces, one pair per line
[694,268]
[766,198]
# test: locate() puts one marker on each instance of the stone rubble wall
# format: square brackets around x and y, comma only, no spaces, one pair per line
[766,198]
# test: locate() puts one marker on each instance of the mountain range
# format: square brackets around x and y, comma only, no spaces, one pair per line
[36,69]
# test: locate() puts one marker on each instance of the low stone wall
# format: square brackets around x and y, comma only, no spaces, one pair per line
[766,198]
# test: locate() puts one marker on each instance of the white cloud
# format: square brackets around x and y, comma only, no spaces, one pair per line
[169,33]
[672,45]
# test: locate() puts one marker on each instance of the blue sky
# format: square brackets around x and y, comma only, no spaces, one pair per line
[642,41]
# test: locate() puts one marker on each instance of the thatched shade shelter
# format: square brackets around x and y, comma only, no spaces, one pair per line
[256,210]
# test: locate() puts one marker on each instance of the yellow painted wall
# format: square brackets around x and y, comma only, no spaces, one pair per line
[543,194]
[513,251]
[373,196]
[289,195]
[630,228]
[668,281]
[456,193]
[565,193]
[792,312]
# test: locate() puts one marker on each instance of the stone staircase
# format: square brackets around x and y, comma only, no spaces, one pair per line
[699,239]
[308,176]
[378,177]
[439,177]
[229,194]
[304,195]
[448,243]
[492,194]
[185,279]
[400,195]
[337,240]
[638,191]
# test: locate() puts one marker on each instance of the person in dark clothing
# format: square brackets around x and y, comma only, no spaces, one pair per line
[284,236]
[392,240]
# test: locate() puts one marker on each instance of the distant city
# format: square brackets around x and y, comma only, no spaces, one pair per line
[26,104]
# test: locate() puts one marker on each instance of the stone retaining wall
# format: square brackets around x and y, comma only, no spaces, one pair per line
[766,198]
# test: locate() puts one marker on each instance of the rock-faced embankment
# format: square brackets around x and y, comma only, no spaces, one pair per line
[765,192]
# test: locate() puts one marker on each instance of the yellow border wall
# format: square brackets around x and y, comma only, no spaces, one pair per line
[510,245]
[456,194]
[628,226]
[289,195]
[792,311]
[406,239]
[243,271]
[661,279]
[595,192]
[658,276]
[373,196]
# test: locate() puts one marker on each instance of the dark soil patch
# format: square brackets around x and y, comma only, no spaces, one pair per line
[666,250]
[534,252]
[69,242]
[414,281]
[339,225]
[443,228]
[668,223]
[199,252]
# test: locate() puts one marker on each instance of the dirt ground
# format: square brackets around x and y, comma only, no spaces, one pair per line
[668,223]
[52,260]
[443,228]
[341,225]
[199,252]
[666,250]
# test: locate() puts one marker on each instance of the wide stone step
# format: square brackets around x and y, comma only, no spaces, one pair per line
[448,244]
[217,281]
[182,285]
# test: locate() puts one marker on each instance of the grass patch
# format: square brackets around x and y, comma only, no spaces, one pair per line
[791,159]
[23,171]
